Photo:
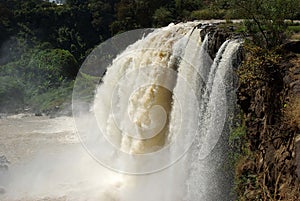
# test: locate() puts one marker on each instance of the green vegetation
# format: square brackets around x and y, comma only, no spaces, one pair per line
[264,163]
[85,87]
[266,171]
[11,93]
[42,45]
[265,20]
[237,141]
[294,29]
[38,71]
[53,100]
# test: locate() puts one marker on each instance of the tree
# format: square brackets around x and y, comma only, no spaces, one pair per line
[5,22]
[265,20]
[136,14]
[11,93]
[185,7]
[50,67]
[102,16]
[162,17]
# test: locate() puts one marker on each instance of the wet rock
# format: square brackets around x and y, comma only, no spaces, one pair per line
[297,147]
[2,190]
[38,114]
[3,163]
[216,37]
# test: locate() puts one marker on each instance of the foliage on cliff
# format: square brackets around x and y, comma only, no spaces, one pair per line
[265,20]
[266,164]
[265,169]
[76,27]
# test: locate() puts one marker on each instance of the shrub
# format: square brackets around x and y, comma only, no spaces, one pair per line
[37,72]
[207,14]
[49,68]
[53,99]
[265,20]
[162,17]
[11,94]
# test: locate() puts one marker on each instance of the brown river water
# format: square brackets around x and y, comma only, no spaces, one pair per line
[47,162]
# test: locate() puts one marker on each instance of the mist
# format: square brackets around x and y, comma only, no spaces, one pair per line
[60,168]
[147,131]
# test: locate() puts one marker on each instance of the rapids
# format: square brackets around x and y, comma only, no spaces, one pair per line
[156,129]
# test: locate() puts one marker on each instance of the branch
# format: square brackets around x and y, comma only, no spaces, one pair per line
[239,4]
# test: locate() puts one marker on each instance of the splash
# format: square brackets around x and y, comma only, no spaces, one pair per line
[155,129]
[161,109]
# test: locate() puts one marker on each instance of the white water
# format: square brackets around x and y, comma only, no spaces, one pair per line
[162,110]
[162,95]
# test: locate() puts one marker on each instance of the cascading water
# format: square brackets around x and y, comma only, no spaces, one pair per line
[154,127]
[162,113]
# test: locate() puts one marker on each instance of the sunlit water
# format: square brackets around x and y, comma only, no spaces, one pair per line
[47,160]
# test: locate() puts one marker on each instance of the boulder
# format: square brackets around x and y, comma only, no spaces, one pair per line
[3,163]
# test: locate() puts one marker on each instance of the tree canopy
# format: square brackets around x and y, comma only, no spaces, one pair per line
[265,20]
[46,42]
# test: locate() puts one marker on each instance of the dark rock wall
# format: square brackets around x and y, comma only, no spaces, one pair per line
[267,91]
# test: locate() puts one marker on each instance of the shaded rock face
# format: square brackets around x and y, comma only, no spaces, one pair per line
[3,163]
[3,169]
[292,78]
[292,81]
[298,157]
[216,37]
[270,166]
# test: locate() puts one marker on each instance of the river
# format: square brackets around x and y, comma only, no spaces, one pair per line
[47,161]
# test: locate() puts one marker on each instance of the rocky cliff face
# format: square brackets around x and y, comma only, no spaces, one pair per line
[217,36]
[268,96]
[292,82]
[268,165]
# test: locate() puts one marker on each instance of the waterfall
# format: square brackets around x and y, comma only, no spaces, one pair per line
[162,115]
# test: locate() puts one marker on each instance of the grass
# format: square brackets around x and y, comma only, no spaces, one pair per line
[294,29]
[53,100]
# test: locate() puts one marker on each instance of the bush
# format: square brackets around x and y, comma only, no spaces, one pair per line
[49,68]
[39,77]
[11,94]
[53,99]
[162,17]
[265,20]
[207,14]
